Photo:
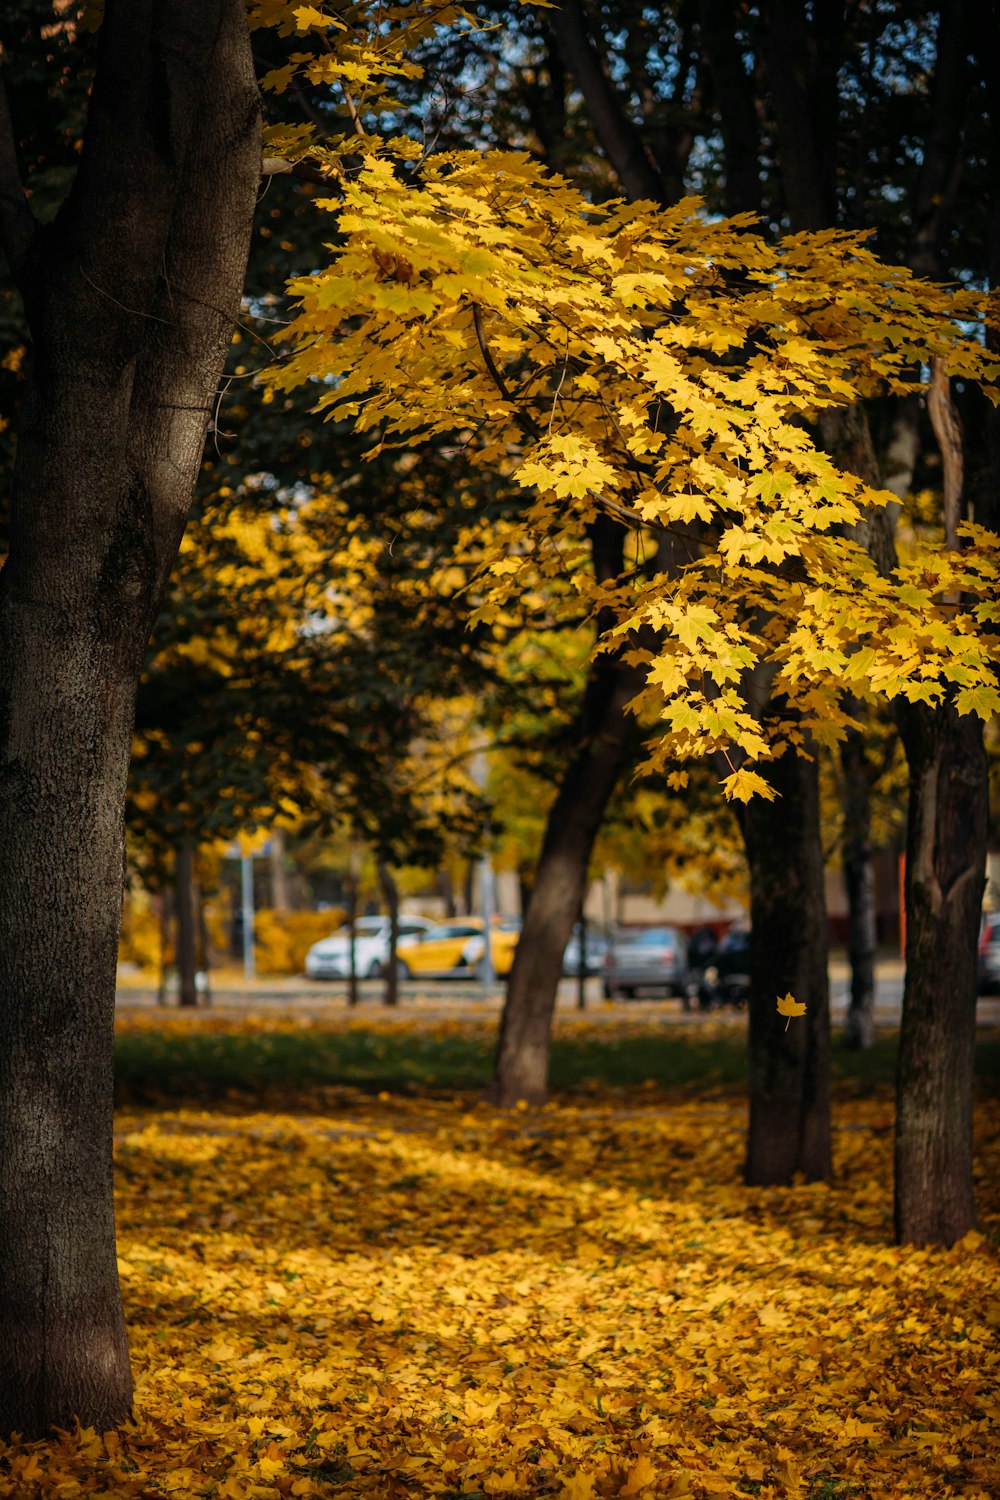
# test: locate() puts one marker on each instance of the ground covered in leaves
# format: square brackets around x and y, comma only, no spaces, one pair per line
[409,1294]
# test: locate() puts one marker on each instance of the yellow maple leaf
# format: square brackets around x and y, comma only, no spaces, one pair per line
[788,1007]
[641,1477]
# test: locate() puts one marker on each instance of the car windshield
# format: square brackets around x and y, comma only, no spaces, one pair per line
[652,937]
[365,927]
[455,930]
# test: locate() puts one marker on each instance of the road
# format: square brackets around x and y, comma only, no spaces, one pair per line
[466,1000]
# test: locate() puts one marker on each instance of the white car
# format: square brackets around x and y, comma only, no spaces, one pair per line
[330,958]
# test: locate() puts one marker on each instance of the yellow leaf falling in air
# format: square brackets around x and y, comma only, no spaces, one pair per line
[788,1007]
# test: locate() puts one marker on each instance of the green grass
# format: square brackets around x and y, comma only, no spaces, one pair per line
[209,1065]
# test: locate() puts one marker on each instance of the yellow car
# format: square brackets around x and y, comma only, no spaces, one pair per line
[454,949]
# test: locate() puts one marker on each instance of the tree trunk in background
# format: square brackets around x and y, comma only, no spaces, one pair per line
[390,895]
[352,919]
[279,875]
[607,739]
[945,879]
[187,938]
[789,1064]
[130,331]
[446,890]
[859,880]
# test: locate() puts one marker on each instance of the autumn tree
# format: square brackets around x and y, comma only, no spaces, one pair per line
[831,116]
[129,294]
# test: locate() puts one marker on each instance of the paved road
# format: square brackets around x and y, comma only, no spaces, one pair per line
[465,1000]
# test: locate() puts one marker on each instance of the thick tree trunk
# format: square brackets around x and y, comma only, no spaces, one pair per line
[187,936]
[607,738]
[789,1062]
[130,296]
[945,879]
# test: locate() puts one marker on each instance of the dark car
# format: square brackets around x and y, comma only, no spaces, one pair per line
[646,958]
[727,978]
[988,966]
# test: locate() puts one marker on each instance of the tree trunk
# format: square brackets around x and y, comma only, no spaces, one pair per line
[279,875]
[607,739]
[130,297]
[945,879]
[789,1062]
[352,929]
[859,880]
[187,940]
[390,895]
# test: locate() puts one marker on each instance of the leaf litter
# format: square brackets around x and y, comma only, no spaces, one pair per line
[418,1296]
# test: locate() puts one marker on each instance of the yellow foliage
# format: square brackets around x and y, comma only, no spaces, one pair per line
[282,938]
[415,1297]
[667,370]
[140,942]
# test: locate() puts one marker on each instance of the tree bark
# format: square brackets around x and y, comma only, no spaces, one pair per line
[945,879]
[130,296]
[607,739]
[789,1062]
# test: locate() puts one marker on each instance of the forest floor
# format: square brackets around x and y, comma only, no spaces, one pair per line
[345,1276]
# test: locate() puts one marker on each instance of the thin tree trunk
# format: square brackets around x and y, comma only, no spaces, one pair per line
[945,879]
[163,932]
[607,739]
[390,894]
[130,331]
[789,1062]
[859,880]
[187,944]
[352,933]
[279,875]
[205,954]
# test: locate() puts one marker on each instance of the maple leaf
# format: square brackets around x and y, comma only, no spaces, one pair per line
[789,1007]
[744,784]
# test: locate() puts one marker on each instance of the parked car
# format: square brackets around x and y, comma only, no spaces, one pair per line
[726,980]
[453,950]
[596,946]
[330,958]
[645,958]
[988,967]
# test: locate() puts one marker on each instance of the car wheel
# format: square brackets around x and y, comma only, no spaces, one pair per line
[402,970]
[374,969]
[628,991]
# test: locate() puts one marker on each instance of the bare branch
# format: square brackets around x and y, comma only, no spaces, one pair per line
[948,432]
[303,171]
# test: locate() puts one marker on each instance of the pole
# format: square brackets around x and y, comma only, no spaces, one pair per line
[246,875]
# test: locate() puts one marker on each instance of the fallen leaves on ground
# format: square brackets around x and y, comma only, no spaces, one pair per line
[407,1297]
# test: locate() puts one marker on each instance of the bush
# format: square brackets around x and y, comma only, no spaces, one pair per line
[283,938]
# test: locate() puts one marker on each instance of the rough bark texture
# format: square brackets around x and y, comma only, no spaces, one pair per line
[130,295]
[607,736]
[945,878]
[789,1063]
